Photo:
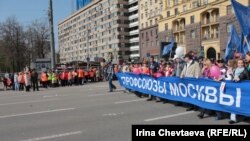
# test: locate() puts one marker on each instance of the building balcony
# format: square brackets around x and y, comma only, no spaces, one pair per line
[134,55]
[135,16]
[210,38]
[133,24]
[134,48]
[210,22]
[132,1]
[133,8]
[179,29]
[133,40]
[134,32]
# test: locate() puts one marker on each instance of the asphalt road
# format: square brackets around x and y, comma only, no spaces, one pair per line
[84,113]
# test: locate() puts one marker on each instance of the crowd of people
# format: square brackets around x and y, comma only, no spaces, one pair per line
[24,80]
[190,65]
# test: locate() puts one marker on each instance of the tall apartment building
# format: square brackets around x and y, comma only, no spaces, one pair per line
[199,24]
[133,29]
[149,12]
[81,3]
[94,31]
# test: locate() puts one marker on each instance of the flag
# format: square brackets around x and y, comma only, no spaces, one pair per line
[233,43]
[243,15]
[243,48]
[168,48]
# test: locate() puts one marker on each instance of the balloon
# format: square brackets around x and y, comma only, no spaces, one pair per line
[215,72]
[136,71]
[158,74]
[179,52]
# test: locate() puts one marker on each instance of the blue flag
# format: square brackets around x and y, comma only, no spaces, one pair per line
[243,15]
[243,48]
[168,48]
[233,43]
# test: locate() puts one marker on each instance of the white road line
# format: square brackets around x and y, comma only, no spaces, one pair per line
[93,95]
[169,116]
[49,96]
[25,102]
[54,136]
[35,113]
[121,102]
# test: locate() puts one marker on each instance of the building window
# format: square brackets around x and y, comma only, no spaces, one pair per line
[156,21]
[142,16]
[142,25]
[228,27]
[142,35]
[176,12]
[141,6]
[156,1]
[184,8]
[146,24]
[205,1]
[193,34]
[142,45]
[192,19]
[166,26]
[168,14]
[151,33]
[150,2]
[151,22]
[146,14]
[230,10]
[175,2]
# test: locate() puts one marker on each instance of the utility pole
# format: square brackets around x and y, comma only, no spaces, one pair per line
[52,41]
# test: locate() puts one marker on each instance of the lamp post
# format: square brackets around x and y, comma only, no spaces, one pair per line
[52,42]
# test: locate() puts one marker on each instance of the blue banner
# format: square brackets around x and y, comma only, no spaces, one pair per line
[224,96]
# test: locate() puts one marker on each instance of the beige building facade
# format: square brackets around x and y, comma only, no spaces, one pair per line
[94,31]
[198,24]
[149,15]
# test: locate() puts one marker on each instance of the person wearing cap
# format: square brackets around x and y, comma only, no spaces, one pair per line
[191,69]
[179,65]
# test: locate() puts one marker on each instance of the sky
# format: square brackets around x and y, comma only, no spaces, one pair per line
[26,11]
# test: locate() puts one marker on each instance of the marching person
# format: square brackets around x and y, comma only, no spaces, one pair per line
[110,75]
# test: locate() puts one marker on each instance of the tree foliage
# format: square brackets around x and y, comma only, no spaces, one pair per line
[20,45]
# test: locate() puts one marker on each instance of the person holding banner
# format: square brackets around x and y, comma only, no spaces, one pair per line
[248,61]
[191,69]
[240,73]
[153,68]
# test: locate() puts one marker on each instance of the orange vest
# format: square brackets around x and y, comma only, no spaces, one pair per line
[145,70]
[80,73]
[44,77]
[69,75]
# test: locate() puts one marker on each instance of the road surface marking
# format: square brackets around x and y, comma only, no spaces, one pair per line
[54,136]
[169,116]
[49,96]
[121,102]
[25,102]
[110,93]
[113,114]
[35,113]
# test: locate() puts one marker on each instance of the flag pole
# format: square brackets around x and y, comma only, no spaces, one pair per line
[247,43]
